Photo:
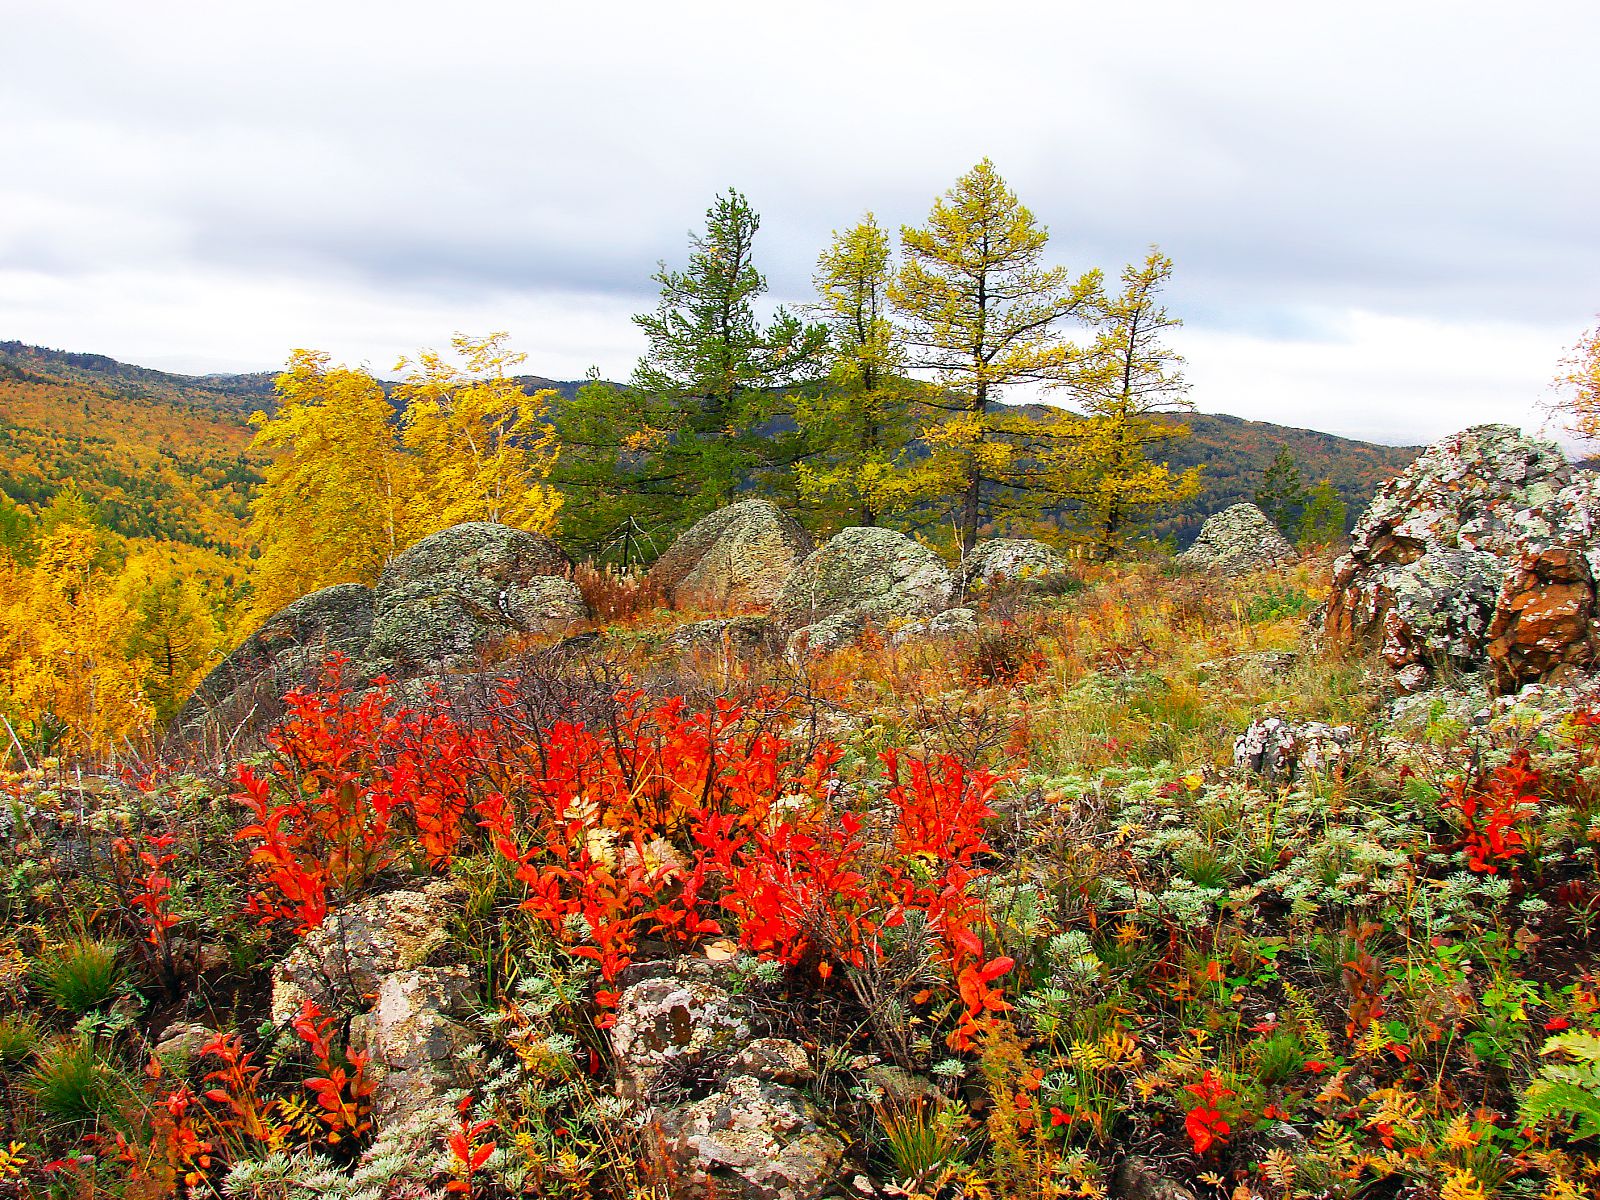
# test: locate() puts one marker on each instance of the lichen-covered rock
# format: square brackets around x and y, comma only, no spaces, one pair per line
[1237,540]
[341,964]
[416,1045]
[1483,551]
[1140,1179]
[825,636]
[1282,751]
[755,1140]
[1011,561]
[466,589]
[746,637]
[737,557]
[867,571]
[285,652]
[952,623]
[671,1019]
[1544,623]
[181,1044]
[778,1060]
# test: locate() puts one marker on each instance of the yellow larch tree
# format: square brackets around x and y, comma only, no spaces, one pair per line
[487,445]
[983,314]
[1577,387]
[337,499]
[63,660]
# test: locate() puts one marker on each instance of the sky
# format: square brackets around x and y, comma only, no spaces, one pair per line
[1381,214]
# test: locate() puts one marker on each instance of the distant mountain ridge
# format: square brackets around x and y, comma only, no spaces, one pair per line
[167,455]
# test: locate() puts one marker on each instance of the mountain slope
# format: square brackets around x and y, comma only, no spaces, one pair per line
[167,456]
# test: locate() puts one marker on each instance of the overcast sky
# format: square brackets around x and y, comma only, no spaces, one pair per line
[1382,214]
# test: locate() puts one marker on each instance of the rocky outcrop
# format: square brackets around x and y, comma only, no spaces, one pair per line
[1544,624]
[1237,540]
[1003,561]
[465,589]
[671,1021]
[285,652]
[952,623]
[342,962]
[1483,552]
[859,575]
[415,1041]
[1281,751]
[725,1107]
[375,961]
[745,637]
[754,1140]
[737,557]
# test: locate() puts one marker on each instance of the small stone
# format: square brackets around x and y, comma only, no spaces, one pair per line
[671,1020]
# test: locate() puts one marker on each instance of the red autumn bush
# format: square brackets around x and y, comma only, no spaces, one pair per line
[665,821]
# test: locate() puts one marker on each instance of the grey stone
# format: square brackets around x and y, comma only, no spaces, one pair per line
[671,1020]
[286,651]
[467,590]
[1010,561]
[1140,1179]
[1237,540]
[341,964]
[754,1140]
[952,623]
[775,1059]
[868,572]
[417,1047]
[745,636]
[737,557]
[1283,751]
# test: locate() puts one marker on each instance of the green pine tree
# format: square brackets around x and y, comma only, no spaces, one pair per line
[695,422]
[1322,522]
[1282,493]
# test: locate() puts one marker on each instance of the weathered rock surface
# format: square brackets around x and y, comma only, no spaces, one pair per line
[744,636]
[736,557]
[671,1020]
[1483,551]
[417,1048]
[863,574]
[729,1119]
[466,588]
[952,623]
[341,964]
[286,652]
[1282,751]
[1544,622]
[1237,540]
[755,1140]
[1010,561]
[1140,1179]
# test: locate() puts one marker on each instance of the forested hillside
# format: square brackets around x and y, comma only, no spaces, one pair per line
[158,455]
[166,455]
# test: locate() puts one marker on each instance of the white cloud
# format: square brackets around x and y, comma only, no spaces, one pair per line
[222,182]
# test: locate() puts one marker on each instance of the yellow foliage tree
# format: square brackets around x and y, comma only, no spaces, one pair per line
[337,498]
[1127,378]
[1577,387]
[486,444]
[62,645]
[983,314]
[859,426]
[172,629]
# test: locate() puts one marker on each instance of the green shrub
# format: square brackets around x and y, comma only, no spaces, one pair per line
[19,1038]
[70,1083]
[81,975]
